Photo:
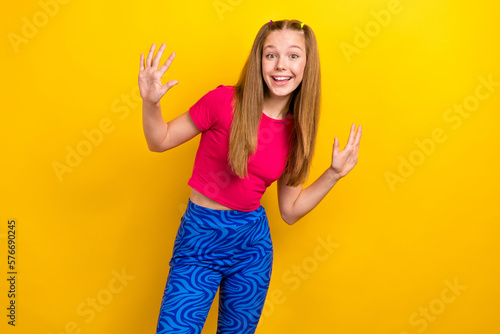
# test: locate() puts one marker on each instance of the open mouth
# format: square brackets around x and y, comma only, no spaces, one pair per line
[280,81]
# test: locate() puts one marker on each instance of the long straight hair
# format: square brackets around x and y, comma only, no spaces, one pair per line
[305,106]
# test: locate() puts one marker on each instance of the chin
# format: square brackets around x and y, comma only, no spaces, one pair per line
[280,91]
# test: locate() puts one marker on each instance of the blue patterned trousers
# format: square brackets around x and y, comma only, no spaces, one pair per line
[227,249]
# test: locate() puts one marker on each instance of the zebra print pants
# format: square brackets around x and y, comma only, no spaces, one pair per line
[227,249]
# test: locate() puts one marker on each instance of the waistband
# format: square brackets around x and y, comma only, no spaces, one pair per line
[221,218]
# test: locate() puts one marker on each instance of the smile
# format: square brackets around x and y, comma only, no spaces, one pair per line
[280,81]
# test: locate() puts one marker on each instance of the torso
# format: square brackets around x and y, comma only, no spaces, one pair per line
[202,200]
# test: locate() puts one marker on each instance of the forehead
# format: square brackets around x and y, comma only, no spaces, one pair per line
[285,38]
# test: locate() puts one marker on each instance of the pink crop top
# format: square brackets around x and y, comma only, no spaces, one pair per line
[212,175]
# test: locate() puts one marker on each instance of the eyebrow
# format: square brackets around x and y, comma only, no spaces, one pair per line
[291,46]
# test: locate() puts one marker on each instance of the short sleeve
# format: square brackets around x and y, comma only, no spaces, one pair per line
[206,111]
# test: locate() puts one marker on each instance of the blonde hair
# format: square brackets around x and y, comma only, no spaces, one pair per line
[305,106]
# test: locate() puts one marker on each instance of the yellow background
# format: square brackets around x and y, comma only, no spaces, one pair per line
[397,247]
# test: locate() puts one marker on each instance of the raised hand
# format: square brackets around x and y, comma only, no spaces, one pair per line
[344,161]
[150,85]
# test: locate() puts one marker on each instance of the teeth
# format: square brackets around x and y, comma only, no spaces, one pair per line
[282,78]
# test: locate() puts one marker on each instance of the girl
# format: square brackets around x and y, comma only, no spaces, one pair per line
[261,130]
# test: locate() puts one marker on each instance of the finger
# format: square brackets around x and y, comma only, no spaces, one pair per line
[158,56]
[351,136]
[166,87]
[358,136]
[150,55]
[166,64]
[142,62]
[335,146]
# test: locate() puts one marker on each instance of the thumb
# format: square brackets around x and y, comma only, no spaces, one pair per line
[166,87]
[335,146]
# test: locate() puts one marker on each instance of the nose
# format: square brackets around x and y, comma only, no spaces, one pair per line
[280,64]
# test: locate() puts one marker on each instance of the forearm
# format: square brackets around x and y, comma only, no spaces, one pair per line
[312,195]
[155,128]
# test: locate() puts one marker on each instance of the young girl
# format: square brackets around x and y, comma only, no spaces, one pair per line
[261,130]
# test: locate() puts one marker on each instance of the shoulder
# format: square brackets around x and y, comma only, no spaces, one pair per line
[212,107]
[219,95]
[223,90]
[224,94]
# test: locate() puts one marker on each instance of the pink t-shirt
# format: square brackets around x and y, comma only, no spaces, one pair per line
[212,175]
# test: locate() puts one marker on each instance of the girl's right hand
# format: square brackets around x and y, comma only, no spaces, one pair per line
[150,85]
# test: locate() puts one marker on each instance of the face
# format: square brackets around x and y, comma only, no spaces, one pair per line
[283,62]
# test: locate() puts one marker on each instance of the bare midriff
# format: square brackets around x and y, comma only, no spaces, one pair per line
[202,200]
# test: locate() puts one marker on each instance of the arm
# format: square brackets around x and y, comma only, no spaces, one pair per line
[153,125]
[295,202]
[161,136]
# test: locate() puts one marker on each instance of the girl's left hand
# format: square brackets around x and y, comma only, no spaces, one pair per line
[344,161]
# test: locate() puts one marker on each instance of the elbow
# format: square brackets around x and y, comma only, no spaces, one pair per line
[288,219]
[154,148]
[158,147]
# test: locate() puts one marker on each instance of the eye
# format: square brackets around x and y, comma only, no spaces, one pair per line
[294,56]
[270,55]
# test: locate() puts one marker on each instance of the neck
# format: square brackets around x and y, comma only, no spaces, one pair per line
[276,107]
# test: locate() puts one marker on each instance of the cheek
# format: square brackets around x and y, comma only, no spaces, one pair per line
[299,69]
[265,68]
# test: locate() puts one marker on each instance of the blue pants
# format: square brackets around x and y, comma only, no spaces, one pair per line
[227,248]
